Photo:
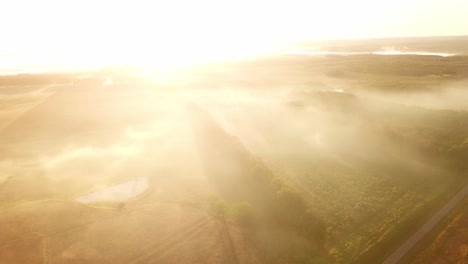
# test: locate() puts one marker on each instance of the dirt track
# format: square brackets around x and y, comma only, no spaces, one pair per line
[428,226]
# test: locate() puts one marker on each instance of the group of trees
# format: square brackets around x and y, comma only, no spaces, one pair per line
[263,196]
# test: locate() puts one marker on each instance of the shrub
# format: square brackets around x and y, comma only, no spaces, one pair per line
[243,213]
[217,207]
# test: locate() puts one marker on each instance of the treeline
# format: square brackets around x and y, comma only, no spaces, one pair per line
[240,176]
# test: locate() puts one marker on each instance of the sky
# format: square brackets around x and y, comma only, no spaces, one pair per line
[96,31]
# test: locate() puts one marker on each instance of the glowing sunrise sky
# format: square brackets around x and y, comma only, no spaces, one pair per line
[96,31]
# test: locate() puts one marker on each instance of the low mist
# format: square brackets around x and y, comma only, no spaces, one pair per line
[275,160]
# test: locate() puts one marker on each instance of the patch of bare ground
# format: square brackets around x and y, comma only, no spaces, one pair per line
[67,232]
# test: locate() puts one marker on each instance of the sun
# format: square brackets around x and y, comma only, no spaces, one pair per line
[180,32]
[161,33]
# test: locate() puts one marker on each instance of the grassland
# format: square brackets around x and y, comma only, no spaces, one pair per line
[285,159]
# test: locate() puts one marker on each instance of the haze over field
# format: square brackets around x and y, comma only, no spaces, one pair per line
[233,132]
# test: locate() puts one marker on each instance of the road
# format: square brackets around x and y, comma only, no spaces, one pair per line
[428,226]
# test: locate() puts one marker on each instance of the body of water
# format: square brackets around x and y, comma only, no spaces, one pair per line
[116,193]
[379,52]
[11,64]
